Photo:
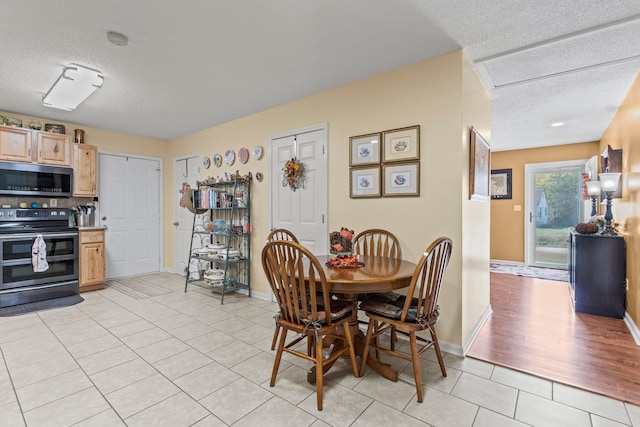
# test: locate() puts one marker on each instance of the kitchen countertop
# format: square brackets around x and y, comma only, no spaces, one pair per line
[92,227]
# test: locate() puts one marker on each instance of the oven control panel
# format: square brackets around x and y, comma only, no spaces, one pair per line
[14,214]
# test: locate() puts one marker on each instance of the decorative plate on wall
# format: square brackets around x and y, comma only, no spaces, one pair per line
[217,160]
[229,157]
[206,162]
[257,152]
[243,155]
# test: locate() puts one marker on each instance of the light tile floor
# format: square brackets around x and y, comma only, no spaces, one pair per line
[142,352]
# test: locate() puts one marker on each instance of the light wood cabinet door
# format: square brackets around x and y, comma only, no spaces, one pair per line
[92,262]
[15,144]
[54,149]
[85,165]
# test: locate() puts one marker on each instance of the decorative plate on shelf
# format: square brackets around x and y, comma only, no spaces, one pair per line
[257,152]
[206,162]
[217,160]
[243,155]
[229,157]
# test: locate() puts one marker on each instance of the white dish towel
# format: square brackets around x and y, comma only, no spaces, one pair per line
[39,255]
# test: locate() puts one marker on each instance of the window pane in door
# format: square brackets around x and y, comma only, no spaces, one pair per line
[557,207]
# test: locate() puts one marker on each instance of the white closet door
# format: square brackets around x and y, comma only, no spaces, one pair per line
[130,209]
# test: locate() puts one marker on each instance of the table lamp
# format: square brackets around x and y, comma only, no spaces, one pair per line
[593,189]
[609,184]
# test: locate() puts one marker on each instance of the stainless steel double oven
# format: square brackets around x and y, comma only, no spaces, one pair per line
[19,282]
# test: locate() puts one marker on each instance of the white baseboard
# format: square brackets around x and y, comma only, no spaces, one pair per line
[635,332]
[488,311]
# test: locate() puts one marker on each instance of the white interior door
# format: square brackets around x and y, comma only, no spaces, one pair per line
[130,208]
[184,170]
[303,211]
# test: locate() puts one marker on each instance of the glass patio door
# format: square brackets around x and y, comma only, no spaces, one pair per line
[553,203]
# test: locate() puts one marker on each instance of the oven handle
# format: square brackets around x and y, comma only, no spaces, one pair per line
[45,235]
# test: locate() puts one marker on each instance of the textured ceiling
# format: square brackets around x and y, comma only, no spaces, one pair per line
[194,64]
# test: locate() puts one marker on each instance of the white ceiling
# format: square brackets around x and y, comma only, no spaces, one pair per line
[193,64]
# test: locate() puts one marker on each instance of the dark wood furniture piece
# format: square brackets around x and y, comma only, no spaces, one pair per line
[379,274]
[376,241]
[417,312]
[306,308]
[279,234]
[597,273]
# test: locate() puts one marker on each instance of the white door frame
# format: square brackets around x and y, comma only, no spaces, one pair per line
[160,196]
[324,126]
[176,207]
[529,200]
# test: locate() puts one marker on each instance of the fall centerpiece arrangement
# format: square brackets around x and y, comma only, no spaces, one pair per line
[293,174]
[340,243]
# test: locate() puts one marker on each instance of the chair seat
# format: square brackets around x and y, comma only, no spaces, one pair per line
[339,310]
[393,310]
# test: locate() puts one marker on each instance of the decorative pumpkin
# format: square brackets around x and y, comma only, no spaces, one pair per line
[587,228]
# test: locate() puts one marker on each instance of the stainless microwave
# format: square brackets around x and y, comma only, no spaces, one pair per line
[28,179]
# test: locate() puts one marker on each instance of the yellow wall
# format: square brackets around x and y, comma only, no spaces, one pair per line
[624,132]
[507,225]
[475,215]
[429,94]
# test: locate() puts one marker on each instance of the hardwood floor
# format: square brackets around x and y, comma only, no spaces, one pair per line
[535,330]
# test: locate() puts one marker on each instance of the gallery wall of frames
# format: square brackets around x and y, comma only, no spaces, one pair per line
[385,164]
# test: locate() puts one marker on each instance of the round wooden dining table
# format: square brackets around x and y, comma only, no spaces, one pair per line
[377,274]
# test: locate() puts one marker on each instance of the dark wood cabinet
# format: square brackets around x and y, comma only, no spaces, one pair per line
[597,273]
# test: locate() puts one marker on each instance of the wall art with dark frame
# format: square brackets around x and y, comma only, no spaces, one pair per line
[501,184]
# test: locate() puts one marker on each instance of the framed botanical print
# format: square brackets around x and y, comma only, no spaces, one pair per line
[364,182]
[479,160]
[401,145]
[402,179]
[364,149]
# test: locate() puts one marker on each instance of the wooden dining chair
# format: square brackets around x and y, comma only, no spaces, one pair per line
[279,234]
[417,312]
[300,286]
[378,242]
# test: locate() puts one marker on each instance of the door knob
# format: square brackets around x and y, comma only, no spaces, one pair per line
[176,223]
[104,218]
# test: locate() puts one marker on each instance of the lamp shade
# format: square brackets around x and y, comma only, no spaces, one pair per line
[72,87]
[609,181]
[593,188]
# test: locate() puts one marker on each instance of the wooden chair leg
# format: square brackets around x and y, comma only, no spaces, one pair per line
[352,352]
[367,344]
[319,372]
[416,364]
[436,345]
[276,362]
[275,337]
[376,341]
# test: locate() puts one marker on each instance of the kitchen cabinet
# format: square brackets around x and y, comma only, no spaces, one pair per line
[15,144]
[53,148]
[597,273]
[92,263]
[85,166]
[220,250]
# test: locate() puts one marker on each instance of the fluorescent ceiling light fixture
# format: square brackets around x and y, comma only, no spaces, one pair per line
[558,124]
[74,86]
